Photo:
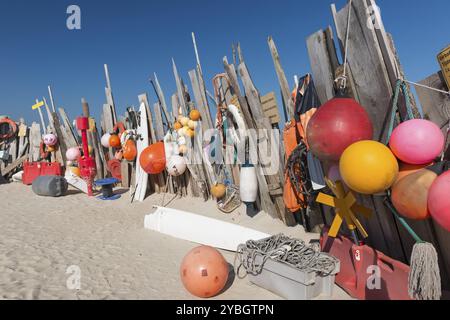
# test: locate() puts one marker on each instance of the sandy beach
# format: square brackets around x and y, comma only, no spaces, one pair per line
[40,238]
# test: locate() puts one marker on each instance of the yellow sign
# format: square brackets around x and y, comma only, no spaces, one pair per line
[444,61]
[37,105]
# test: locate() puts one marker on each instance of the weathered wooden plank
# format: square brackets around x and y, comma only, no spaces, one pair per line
[436,106]
[35,141]
[18,162]
[70,135]
[175,106]
[162,100]
[61,142]
[374,92]
[126,171]
[109,94]
[284,85]
[180,90]
[159,128]
[270,108]
[322,69]
[263,124]
[23,138]
[201,105]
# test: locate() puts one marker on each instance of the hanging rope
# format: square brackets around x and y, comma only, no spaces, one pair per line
[343,79]
[399,87]
[253,255]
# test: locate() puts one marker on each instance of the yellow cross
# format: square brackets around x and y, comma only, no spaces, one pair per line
[345,205]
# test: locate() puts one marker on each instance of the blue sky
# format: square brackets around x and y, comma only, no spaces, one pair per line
[136,38]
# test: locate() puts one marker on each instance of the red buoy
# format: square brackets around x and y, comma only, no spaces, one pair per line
[153,159]
[335,126]
[439,200]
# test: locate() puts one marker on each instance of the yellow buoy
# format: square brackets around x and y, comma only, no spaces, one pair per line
[368,167]
[75,170]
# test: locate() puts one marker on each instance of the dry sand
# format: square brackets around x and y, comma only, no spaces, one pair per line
[41,237]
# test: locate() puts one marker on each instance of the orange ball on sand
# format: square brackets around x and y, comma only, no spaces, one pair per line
[204,272]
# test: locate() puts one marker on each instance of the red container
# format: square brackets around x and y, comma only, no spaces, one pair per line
[360,268]
[32,170]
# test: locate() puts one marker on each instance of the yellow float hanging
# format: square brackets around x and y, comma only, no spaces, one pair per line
[368,167]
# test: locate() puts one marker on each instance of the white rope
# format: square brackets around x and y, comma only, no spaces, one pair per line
[427,87]
[343,78]
[253,255]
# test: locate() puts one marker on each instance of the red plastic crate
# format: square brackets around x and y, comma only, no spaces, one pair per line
[357,264]
[32,170]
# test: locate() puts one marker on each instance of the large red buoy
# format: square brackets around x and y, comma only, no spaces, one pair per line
[153,158]
[439,200]
[204,272]
[335,126]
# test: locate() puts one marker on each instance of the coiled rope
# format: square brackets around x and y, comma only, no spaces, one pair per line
[253,255]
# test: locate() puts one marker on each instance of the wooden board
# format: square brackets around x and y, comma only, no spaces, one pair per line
[270,108]
[35,141]
[284,85]
[322,69]
[274,182]
[69,133]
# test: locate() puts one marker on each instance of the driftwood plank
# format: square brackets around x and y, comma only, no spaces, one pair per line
[201,105]
[274,183]
[35,141]
[23,138]
[322,69]
[436,106]
[14,165]
[70,135]
[162,100]
[284,85]
[159,128]
[109,94]
[374,91]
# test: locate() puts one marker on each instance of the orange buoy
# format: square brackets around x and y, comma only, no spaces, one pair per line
[204,272]
[153,158]
[195,115]
[410,194]
[219,191]
[129,150]
[114,141]
[407,169]
[177,125]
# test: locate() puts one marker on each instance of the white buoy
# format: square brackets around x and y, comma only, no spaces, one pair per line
[248,184]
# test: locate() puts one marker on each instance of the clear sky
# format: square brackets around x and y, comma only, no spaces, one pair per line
[136,38]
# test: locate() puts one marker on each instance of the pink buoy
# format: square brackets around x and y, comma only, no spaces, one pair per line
[73,154]
[417,141]
[439,200]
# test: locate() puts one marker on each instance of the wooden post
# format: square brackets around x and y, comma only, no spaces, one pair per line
[285,91]
[109,95]
[162,101]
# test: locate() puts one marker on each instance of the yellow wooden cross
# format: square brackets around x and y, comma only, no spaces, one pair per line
[345,206]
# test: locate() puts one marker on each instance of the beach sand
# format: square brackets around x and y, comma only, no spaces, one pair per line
[40,238]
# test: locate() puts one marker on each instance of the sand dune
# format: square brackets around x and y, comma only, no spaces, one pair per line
[40,238]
